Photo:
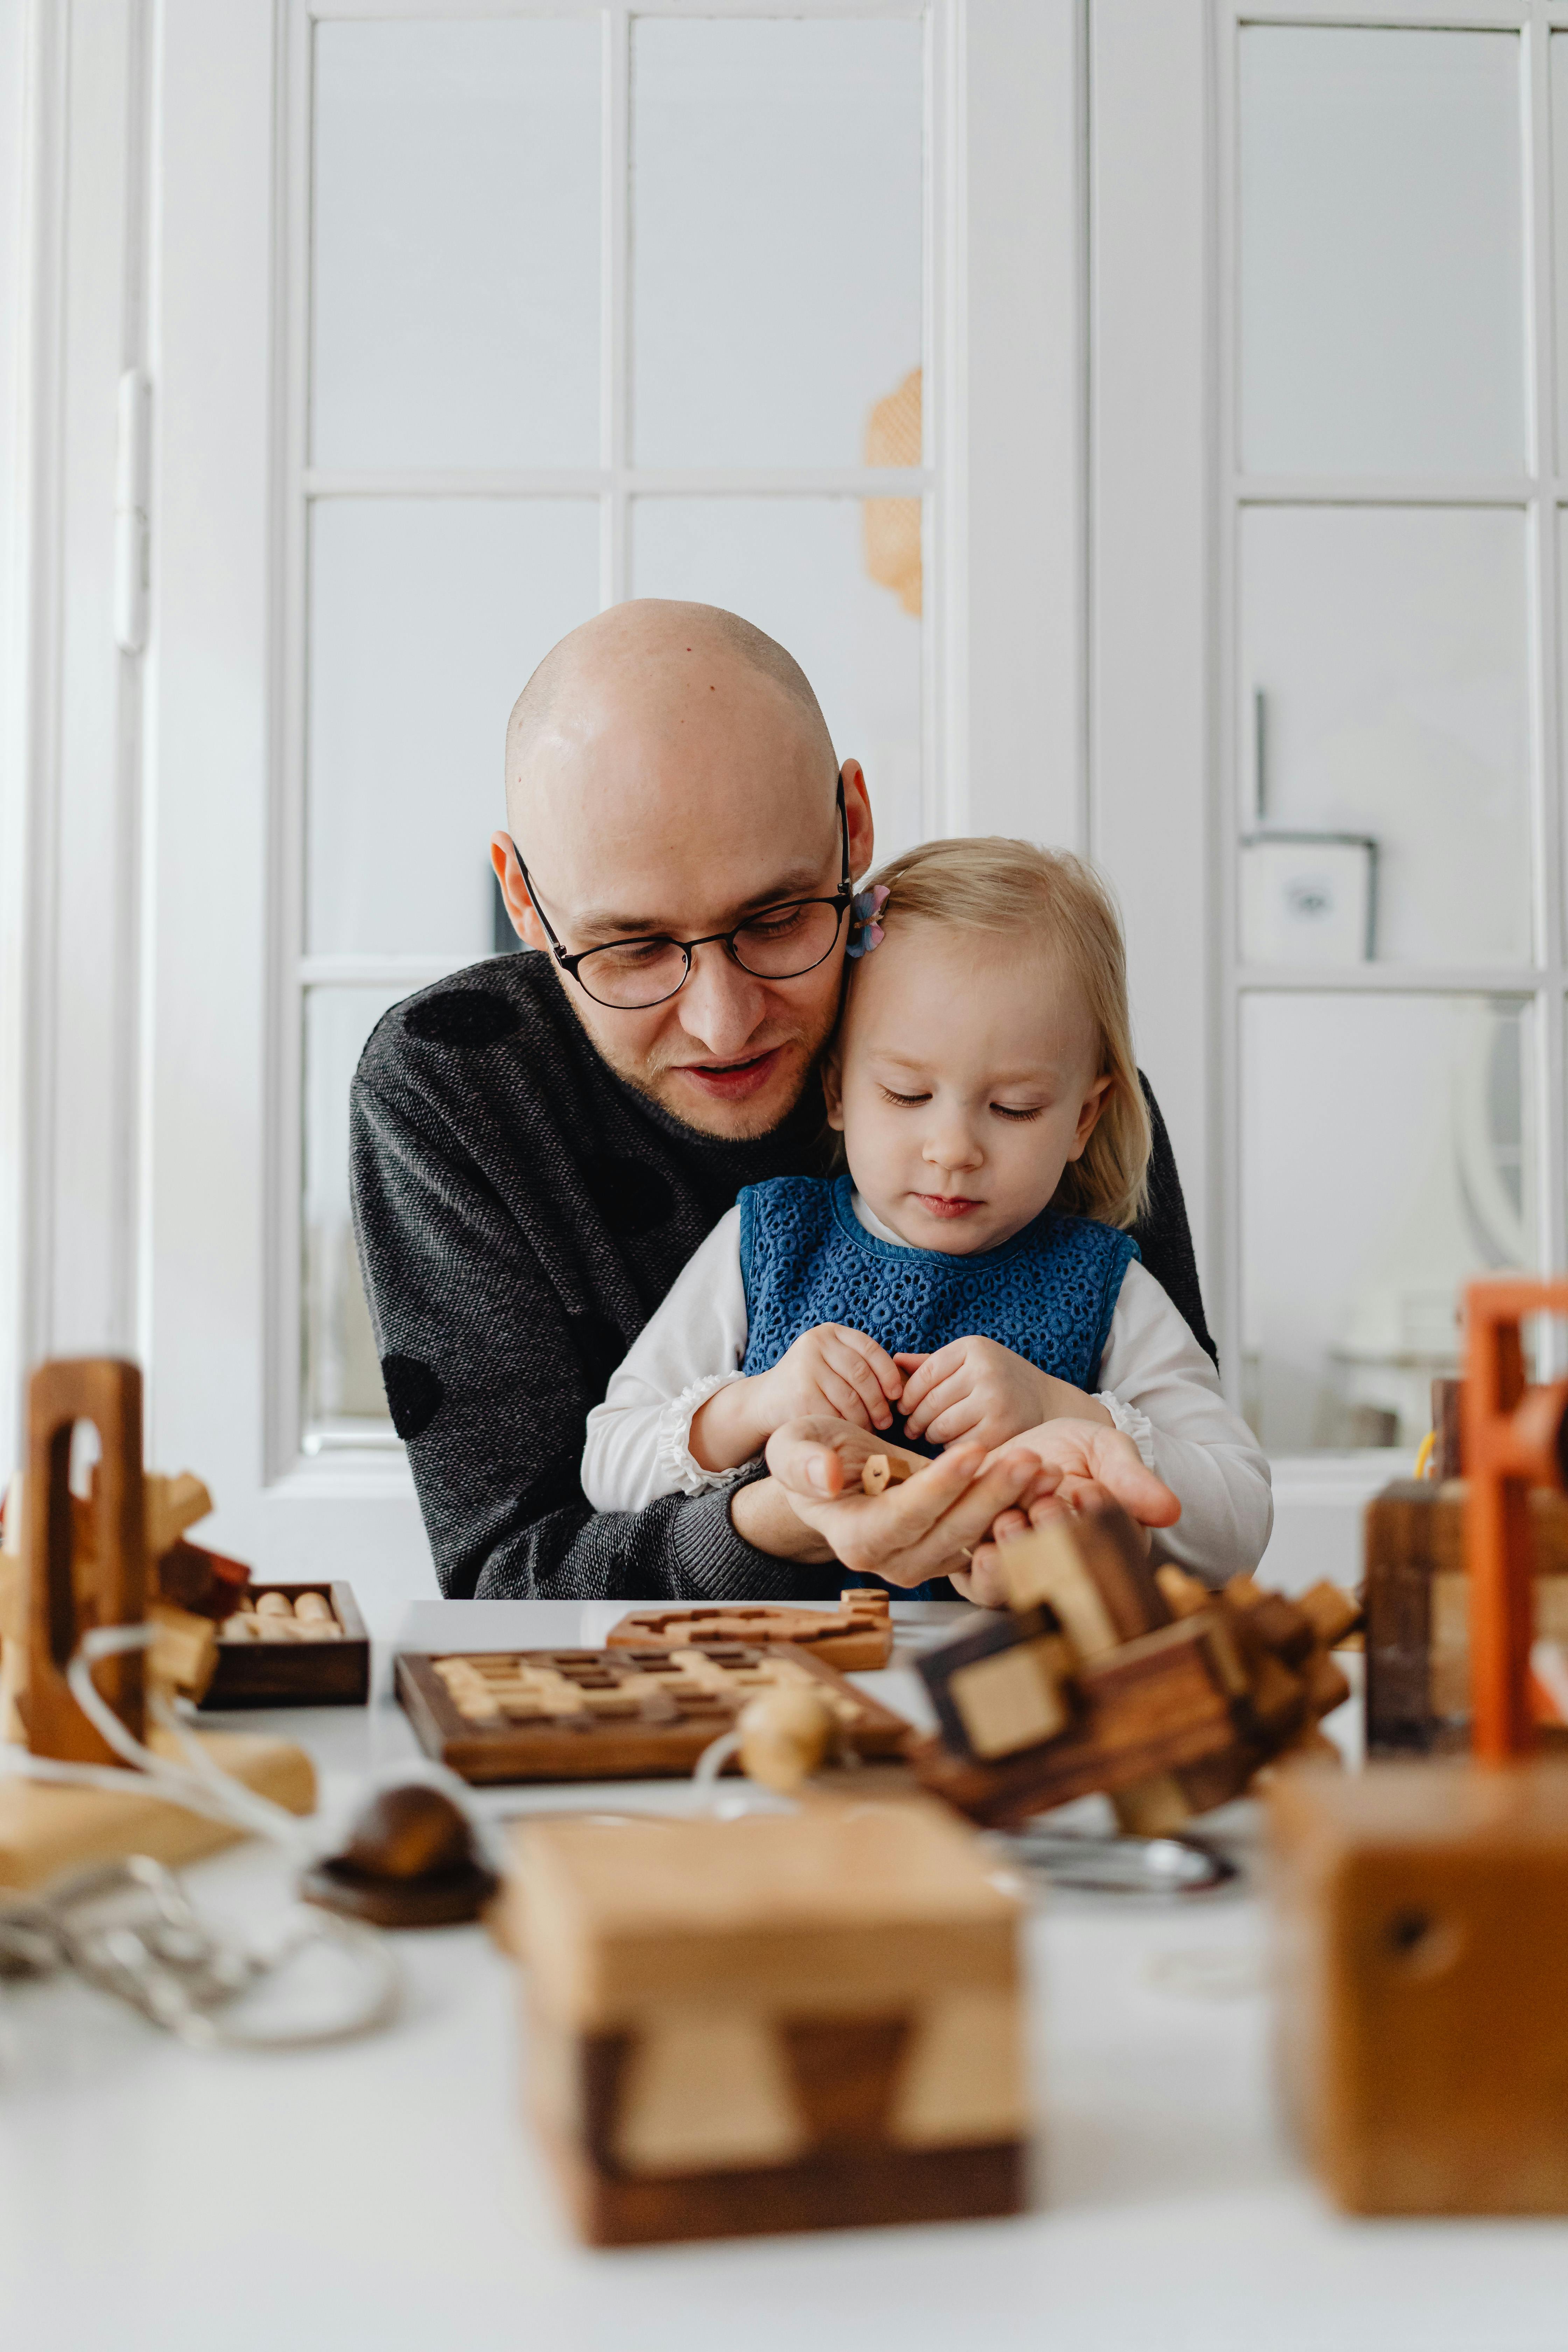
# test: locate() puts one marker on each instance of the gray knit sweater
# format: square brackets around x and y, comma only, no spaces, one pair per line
[520,1213]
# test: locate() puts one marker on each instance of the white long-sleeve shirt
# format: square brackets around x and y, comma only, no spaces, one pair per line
[1156,1383]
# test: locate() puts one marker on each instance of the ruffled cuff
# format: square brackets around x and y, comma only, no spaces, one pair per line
[1135,1425]
[679,1469]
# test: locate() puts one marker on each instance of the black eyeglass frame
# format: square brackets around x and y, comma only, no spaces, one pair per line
[840,903]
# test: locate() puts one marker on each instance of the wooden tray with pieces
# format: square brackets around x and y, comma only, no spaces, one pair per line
[612,1715]
[303,1657]
[857,1637]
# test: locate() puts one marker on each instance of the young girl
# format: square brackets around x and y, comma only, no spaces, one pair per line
[969,1276]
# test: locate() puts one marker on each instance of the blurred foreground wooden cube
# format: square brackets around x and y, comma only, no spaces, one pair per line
[1421,1993]
[784,2022]
[1422,1910]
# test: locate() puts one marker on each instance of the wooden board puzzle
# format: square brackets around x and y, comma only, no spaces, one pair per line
[857,1637]
[612,1715]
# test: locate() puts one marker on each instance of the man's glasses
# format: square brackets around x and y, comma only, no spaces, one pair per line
[776,943]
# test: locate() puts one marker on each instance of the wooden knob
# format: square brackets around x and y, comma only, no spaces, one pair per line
[408,1832]
[785,1737]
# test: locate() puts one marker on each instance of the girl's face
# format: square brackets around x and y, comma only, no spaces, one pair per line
[963,1081]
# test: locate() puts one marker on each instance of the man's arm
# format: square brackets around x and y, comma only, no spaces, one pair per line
[1163,1235]
[490,1379]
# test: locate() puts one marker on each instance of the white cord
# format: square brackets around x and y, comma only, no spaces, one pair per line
[198,1785]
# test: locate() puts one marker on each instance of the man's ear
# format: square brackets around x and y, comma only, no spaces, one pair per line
[833,1089]
[514,890]
[858,813]
[1089,1115]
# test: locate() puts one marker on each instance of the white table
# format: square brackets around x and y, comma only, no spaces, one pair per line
[387,2194]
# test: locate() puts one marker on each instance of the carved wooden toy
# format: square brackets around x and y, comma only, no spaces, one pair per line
[1109,1674]
[1422,1907]
[857,1637]
[613,1715]
[74,1564]
[788,2023]
[1417,1611]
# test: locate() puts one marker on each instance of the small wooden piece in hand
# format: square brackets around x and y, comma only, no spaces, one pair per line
[879,1471]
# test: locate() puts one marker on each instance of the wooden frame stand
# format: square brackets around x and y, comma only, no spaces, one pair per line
[84,1565]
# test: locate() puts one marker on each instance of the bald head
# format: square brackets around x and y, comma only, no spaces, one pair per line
[652,663]
[668,776]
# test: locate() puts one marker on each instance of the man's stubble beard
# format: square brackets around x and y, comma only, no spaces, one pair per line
[649,1074]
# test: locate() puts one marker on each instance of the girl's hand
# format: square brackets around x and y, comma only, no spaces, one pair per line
[924,1526]
[1081,1462]
[830,1370]
[980,1392]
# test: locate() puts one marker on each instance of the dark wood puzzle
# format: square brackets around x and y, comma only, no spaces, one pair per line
[612,1715]
[857,1637]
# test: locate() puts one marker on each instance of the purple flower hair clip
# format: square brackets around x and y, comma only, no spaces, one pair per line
[865,931]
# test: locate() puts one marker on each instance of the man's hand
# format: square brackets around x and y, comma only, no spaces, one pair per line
[977,1389]
[1080,1462]
[830,1370]
[921,1529]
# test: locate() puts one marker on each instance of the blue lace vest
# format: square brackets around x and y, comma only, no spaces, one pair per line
[1049,1294]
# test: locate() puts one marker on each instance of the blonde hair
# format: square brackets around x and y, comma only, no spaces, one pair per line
[990,884]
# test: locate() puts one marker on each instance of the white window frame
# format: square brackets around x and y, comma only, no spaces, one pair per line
[1540,493]
[211,1258]
[613,485]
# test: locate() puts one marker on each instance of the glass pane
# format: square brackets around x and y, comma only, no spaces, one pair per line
[1559,208]
[1382,251]
[778,203]
[808,572]
[1387,1156]
[1385,675]
[456,221]
[341,1373]
[426,616]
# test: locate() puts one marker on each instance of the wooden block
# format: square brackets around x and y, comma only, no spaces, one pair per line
[44,1832]
[1004,1688]
[1092,1567]
[1448,1421]
[1170,1699]
[276,1672]
[779,2023]
[207,1582]
[1422,1948]
[1327,1685]
[613,1714]
[835,1911]
[857,1637]
[13,1598]
[171,1505]
[1334,1613]
[1157,1807]
[1184,1595]
[1278,1624]
[1418,1641]
[184,1657]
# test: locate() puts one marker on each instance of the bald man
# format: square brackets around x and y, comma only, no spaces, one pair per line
[541,1142]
